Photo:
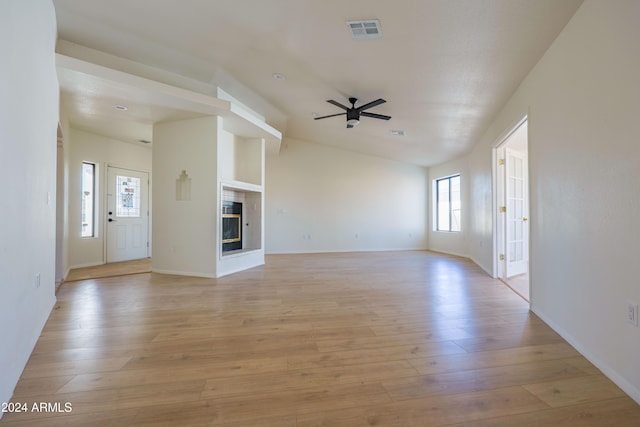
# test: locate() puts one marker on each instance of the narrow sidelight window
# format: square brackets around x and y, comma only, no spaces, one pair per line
[448,203]
[88,199]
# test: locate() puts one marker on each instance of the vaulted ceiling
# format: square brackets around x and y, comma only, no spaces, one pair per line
[445,67]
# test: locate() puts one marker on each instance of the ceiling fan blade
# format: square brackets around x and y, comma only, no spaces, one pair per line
[330,115]
[375,116]
[337,104]
[371,104]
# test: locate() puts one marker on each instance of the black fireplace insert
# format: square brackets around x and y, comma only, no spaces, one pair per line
[231,226]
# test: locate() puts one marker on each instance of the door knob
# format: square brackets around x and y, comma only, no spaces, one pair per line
[525,219]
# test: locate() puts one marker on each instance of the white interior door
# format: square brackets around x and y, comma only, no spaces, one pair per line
[516,215]
[127,215]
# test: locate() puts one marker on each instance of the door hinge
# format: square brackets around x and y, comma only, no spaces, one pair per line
[147,244]
[501,257]
[500,162]
[503,209]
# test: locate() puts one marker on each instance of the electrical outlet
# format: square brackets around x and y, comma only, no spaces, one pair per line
[632,313]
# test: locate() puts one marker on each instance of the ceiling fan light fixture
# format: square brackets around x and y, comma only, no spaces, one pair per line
[354,113]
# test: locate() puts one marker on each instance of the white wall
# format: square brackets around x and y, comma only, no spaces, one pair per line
[584,164]
[103,151]
[184,232]
[454,243]
[479,232]
[28,127]
[66,148]
[61,260]
[319,198]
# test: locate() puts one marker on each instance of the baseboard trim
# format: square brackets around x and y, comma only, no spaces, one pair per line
[490,273]
[183,273]
[85,265]
[340,251]
[438,251]
[620,381]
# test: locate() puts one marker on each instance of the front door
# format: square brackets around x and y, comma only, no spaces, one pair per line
[517,230]
[127,215]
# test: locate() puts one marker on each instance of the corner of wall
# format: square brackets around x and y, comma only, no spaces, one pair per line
[28,157]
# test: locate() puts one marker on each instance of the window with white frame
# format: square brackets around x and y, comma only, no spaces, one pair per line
[88,199]
[447,209]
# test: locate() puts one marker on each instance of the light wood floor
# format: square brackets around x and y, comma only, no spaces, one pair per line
[519,284]
[110,270]
[374,339]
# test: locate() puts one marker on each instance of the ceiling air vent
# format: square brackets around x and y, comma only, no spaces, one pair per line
[365,30]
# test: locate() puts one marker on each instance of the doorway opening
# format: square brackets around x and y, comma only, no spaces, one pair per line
[512,210]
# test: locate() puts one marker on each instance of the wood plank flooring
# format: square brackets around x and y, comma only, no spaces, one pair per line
[110,270]
[356,339]
[519,284]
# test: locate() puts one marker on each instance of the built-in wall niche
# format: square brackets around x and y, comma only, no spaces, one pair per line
[241,159]
[183,187]
[240,221]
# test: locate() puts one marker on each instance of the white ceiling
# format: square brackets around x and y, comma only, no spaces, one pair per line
[445,67]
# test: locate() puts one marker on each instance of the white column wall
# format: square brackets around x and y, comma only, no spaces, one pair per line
[184,232]
[28,135]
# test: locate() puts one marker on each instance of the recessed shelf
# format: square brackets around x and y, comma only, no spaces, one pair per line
[241,186]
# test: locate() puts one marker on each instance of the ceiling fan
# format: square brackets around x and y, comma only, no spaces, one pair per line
[353,114]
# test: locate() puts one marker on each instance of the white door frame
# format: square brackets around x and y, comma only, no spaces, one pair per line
[518,218]
[499,270]
[106,206]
